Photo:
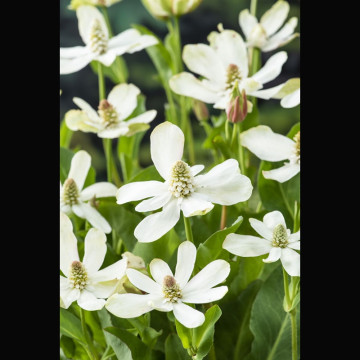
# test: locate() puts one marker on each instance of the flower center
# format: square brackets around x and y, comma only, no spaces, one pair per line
[98,40]
[108,113]
[78,275]
[280,237]
[233,74]
[70,192]
[171,289]
[181,181]
[297,144]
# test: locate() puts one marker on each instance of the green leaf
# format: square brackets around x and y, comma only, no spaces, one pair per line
[117,72]
[67,345]
[185,334]
[149,173]
[70,326]
[174,349]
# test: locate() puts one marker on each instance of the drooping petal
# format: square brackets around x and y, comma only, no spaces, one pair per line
[283,173]
[95,250]
[186,256]
[294,237]
[274,255]
[90,112]
[79,168]
[143,282]
[274,218]
[68,244]
[143,42]
[224,184]
[261,229]
[88,301]
[294,245]
[107,58]
[291,100]
[267,93]
[159,269]
[101,189]
[246,245]
[154,203]
[68,296]
[69,66]
[186,315]
[247,22]
[166,147]
[266,144]
[275,17]
[205,296]
[113,271]
[103,289]
[194,170]
[290,260]
[79,120]
[113,132]
[73,52]
[195,205]
[144,118]
[124,39]
[139,190]
[188,85]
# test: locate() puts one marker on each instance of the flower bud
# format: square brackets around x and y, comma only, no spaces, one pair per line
[237,108]
[200,110]
[74,4]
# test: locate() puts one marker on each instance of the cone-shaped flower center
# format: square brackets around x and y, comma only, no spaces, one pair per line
[98,41]
[233,74]
[181,180]
[78,275]
[70,192]
[297,144]
[171,289]
[108,113]
[280,237]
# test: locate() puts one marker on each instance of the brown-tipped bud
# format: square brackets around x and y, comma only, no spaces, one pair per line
[200,110]
[237,108]
[104,105]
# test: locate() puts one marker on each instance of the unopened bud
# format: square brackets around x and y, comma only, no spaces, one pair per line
[74,4]
[200,110]
[237,108]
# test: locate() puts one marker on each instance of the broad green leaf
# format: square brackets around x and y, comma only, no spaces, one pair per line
[68,346]
[148,335]
[174,349]
[65,135]
[117,72]
[149,173]
[93,322]
[70,326]
[185,334]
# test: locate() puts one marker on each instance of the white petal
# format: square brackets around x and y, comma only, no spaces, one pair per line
[68,244]
[205,296]
[195,205]
[261,229]
[186,256]
[188,85]
[267,93]
[143,42]
[139,190]
[189,317]
[294,245]
[143,282]
[92,216]
[246,245]
[271,69]
[124,39]
[101,189]
[114,131]
[95,250]
[69,66]
[113,271]
[290,260]
[88,301]
[166,146]
[90,112]
[103,289]
[275,17]
[203,60]
[144,118]
[79,168]
[107,58]
[68,296]
[73,52]
[154,203]
[224,184]
[247,22]
[194,170]
[291,100]
[211,275]
[274,218]
[294,237]
[124,98]
[159,269]
[283,173]
[266,144]
[274,255]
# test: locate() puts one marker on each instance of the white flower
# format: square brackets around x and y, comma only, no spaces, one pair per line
[109,121]
[269,146]
[182,189]
[170,292]
[165,8]
[276,240]
[224,64]
[73,197]
[289,93]
[83,281]
[94,32]
[74,4]
[263,34]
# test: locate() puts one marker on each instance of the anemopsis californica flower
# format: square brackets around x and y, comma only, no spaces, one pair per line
[83,281]
[74,4]
[109,121]
[73,197]
[224,64]
[263,34]
[94,32]
[170,292]
[277,241]
[269,146]
[183,189]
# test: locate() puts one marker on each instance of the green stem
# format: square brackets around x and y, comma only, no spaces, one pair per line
[234,133]
[65,135]
[241,152]
[212,354]
[107,20]
[258,208]
[106,353]
[123,167]
[223,217]
[286,288]
[188,231]
[178,44]
[108,154]
[102,93]
[293,334]
[286,201]
[92,352]
[253,6]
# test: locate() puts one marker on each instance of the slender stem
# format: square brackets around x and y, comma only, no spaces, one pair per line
[123,167]
[223,217]
[188,231]
[178,43]
[212,354]
[258,208]
[102,94]
[227,131]
[106,353]
[92,352]
[108,154]
[286,201]
[293,334]
[241,153]
[286,288]
[107,20]
[234,133]
[253,6]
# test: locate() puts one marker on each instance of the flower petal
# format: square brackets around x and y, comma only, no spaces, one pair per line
[114,131]
[68,244]
[224,184]
[144,118]
[195,205]
[186,315]
[103,289]
[107,58]
[113,271]
[294,245]
[143,42]
[143,282]
[188,85]
[294,237]
[186,256]
[69,66]
[124,39]
[101,189]
[283,173]
[159,269]
[79,120]
[88,301]
[79,168]
[291,100]
[247,22]
[139,190]
[274,255]
[90,112]
[275,17]
[246,245]
[271,69]
[166,146]
[154,203]
[206,296]
[95,250]
[261,229]
[273,219]
[267,93]
[68,296]
[73,52]
[290,260]
[194,170]
[266,144]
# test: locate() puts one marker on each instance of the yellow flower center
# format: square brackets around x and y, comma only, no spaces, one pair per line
[233,74]
[181,180]
[171,289]
[78,275]
[98,40]
[297,144]
[70,192]
[280,237]
[108,113]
